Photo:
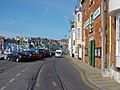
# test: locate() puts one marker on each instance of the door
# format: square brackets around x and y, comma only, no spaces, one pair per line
[92,53]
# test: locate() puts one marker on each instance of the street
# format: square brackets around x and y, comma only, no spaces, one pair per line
[45,74]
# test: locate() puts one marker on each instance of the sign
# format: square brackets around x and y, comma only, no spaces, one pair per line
[96,13]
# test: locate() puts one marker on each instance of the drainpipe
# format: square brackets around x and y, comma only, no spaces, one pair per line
[110,46]
[103,36]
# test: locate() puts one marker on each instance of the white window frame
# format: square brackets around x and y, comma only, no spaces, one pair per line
[118,35]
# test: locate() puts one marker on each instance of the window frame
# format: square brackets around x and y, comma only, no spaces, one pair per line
[98,52]
[91,3]
[91,23]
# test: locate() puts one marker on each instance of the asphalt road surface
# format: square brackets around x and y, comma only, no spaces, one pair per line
[45,74]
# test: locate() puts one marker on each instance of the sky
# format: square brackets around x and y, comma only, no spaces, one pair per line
[36,18]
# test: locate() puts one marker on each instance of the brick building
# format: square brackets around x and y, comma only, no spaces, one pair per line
[95,32]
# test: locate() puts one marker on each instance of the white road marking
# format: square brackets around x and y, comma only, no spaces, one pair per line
[3,88]
[11,80]
[24,69]
[38,78]
[54,84]
[18,74]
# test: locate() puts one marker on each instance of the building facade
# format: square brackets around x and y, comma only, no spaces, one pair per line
[95,26]
[75,38]
[78,31]
[114,12]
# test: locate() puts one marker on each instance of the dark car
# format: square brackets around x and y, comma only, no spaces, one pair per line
[31,55]
[40,51]
[17,56]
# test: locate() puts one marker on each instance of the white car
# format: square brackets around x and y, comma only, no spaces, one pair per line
[58,53]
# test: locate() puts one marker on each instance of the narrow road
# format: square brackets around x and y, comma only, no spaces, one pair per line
[59,74]
[47,74]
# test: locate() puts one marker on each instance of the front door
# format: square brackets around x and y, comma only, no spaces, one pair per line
[92,53]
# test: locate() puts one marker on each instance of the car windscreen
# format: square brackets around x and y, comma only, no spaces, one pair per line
[58,52]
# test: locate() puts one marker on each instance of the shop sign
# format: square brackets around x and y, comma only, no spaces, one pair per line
[96,13]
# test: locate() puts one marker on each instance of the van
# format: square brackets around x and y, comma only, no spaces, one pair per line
[58,53]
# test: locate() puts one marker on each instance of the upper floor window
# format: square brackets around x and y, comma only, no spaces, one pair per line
[91,2]
[84,6]
[91,23]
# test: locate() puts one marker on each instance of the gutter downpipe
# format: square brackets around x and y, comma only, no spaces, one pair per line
[110,47]
[103,37]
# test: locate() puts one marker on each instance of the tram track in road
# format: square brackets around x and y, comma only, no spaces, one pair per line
[33,79]
[59,79]
[3,70]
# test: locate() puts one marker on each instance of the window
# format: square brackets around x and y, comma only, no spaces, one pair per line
[91,2]
[91,23]
[84,6]
[86,52]
[78,17]
[73,42]
[98,52]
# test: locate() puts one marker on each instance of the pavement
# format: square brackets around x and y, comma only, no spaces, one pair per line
[92,76]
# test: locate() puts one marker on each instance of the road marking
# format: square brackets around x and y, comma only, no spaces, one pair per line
[18,74]
[3,88]
[38,78]
[24,69]
[11,80]
[54,84]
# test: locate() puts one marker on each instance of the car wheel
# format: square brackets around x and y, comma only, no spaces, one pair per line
[17,60]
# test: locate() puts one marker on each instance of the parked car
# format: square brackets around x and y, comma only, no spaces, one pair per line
[17,56]
[38,55]
[31,55]
[40,51]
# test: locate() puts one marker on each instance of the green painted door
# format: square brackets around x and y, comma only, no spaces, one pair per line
[92,53]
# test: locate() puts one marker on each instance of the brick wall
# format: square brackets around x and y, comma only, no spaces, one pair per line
[97,29]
